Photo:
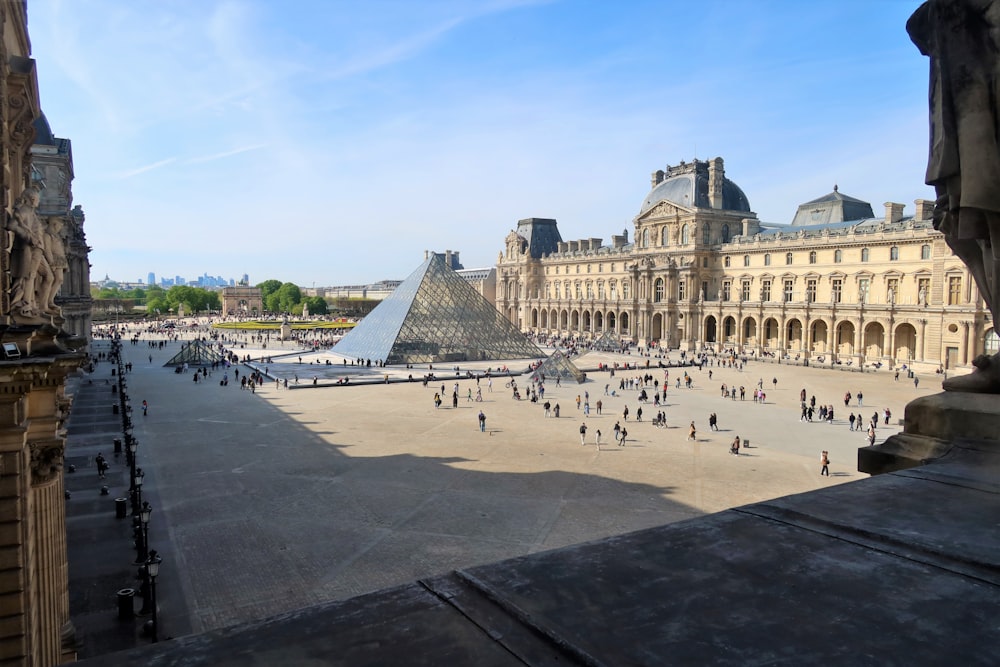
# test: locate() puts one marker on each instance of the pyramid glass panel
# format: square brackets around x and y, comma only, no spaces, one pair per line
[196,353]
[609,341]
[435,316]
[558,366]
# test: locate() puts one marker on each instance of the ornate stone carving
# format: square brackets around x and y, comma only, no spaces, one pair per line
[46,460]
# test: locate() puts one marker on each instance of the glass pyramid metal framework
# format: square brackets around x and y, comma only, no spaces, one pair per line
[609,341]
[435,316]
[196,353]
[559,366]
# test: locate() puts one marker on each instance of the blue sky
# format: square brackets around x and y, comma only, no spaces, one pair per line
[324,142]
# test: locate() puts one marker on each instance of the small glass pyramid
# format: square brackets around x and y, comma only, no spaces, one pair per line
[196,353]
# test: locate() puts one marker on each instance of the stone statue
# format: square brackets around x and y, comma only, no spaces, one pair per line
[31,275]
[962,39]
[55,254]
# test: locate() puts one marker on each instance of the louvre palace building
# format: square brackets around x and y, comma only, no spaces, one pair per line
[837,285]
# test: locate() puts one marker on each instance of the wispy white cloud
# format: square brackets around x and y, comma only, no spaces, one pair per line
[147,168]
[224,154]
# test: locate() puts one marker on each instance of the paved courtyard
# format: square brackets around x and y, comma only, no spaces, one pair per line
[269,501]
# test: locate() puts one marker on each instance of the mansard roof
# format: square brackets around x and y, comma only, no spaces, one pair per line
[832,207]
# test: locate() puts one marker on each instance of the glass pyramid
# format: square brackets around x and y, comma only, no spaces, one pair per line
[609,341]
[558,365]
[196,353]
[435,316]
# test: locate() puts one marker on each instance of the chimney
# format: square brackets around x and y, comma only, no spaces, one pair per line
[746,226]
[574,246]
[925,209]
[447,259]
[716,177]
[656,178]
[893,212]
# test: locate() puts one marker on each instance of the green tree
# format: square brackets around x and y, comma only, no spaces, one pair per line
[268,287]
[317,305]
[285,299]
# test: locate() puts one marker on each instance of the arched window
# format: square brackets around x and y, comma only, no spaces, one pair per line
[658,290]
[746,260]
[725,233]
[767,259]
[706,234]
[838,256]
[925,252]
[864,254]
[893,253]
[788,258]
[812,256]
[645,238]
[685,235]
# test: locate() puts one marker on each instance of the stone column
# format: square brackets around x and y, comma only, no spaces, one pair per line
[965,349]
[922,344]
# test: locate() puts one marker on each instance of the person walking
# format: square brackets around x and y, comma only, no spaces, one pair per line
[145,407]
[638,414]
[583,433]
[847,399]
[598,434]
[692,432]
[618,431]
[599,405]
[824,461]
[624,435]
[861,398]
[851,420]
[102,465]
[578,401]
[625,413]
[482,422]
[734,448]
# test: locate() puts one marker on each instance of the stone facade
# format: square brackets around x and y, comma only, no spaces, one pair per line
[39,354]
[243,301]
[710,275]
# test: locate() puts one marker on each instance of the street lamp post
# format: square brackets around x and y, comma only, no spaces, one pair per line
[143,554]
[153,569]
[133,446]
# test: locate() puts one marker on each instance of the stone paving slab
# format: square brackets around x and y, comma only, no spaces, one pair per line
[269,501]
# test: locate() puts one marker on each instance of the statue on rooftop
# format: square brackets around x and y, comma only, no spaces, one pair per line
[962,39]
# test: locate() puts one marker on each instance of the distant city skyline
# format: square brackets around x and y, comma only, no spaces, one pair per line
[332,142]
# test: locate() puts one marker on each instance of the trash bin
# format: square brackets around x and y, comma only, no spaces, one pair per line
[126,604]
[118,445]
[114,408]
[909,374]
[121,508]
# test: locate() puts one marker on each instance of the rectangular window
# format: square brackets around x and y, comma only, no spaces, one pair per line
[863,285]
[590,291]
[704,289]
[682,290]
[613,289]
[765,290]
[923,291]
[788,290]
[558,291]
[811,290]
[626,290]
[838,289]
[548,291]
[891,290]
[745,290]
[954,290]
[577,290]
[727,286]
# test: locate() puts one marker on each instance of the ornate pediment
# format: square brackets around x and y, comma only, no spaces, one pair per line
[664,210]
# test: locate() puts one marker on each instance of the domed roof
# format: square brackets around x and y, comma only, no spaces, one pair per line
[43,133]
[687,185]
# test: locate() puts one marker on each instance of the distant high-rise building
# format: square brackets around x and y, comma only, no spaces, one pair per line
[179,280]
[151,278]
